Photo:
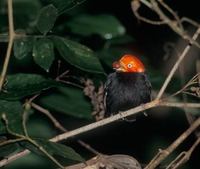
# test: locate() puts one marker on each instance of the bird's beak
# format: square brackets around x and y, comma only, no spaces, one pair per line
[118,66]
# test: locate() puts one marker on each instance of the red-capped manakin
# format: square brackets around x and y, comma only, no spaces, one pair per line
[127,87]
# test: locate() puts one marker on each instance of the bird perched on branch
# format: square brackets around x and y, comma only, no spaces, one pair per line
[127,87]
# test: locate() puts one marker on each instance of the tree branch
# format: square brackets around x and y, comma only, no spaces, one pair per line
[183,157]
[176,65]
[162,154]
[103,122]
[60,127]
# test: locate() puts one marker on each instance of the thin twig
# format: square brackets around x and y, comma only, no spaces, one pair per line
[183,157]
[46,153]
[162,154]
[27,138]
[176,65]
[62,128]
[175,24]
[172,12]
[11,141]
[62,74]
[10,44]
[184,89]
[135,5]
[13,157]
[48,114]
[192,22]
[24,118]
[71,83]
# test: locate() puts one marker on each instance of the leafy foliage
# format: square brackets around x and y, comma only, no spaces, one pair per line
[46,19]
[65,5]
[107,26]
[20,85]
[43,53]
[23,47]
[66,100]
[8,149]
[13,113]
[60,150]
[54,149]
[78,55]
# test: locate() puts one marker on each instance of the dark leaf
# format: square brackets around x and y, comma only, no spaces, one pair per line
[25,12]
[121,40]
[13,111]
[43,53]
[78,55]
[47,18]
[47,130]
[70,101]
[32,7]
[65,5]
[22,47]
[53,149]
[7,150]
[60,150]
[107,26]
[21,85]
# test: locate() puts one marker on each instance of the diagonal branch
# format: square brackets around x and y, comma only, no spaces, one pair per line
[176,65]
[183,157]
[162,154]
[62,128]
[103,122]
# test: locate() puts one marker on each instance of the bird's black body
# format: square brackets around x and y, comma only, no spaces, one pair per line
[126,90]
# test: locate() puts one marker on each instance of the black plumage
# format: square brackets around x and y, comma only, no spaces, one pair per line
[125,90]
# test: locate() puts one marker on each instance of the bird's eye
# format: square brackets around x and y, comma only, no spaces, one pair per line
[129,65]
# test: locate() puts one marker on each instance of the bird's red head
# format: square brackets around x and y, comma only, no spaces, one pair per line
[129,63]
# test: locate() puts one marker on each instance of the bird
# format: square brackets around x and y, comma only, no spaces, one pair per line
[127,87]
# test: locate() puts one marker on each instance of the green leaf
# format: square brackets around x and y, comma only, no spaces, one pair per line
[35,124]
[121,40]
[13,111]
[53,149]
[21,85]
[78,55]
[47,18]
[65,5]
[60,150]
[7,150]
[31,10]
[25,12]
[68,100]
[22,47]
[43,53]
[107,26]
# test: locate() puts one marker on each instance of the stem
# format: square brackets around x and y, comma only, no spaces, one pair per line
[10,43]
[62,128]
[11,141]
[164,153]
[24,116]
[45,152]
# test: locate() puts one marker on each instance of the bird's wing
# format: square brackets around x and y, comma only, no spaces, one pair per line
[106,89]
